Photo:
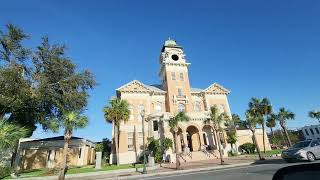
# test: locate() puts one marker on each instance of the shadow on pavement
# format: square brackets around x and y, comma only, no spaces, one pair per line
[270,161]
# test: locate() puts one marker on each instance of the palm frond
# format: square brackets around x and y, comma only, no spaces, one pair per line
[10,134]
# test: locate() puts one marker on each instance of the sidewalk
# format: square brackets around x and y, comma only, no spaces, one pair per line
[165,169]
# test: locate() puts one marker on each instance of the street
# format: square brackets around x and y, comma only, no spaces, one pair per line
[252,172]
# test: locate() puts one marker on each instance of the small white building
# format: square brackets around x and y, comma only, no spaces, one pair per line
[311,132]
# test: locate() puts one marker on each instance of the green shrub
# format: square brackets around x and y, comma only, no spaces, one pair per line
[249,148]
[230,154]
[158,148]
[99,147]
[4,171]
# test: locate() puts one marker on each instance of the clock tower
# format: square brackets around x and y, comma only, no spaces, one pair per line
[175,78]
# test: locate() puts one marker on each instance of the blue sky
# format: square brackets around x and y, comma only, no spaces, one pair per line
[255,48]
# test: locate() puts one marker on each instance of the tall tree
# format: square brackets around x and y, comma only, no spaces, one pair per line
[173,124]
[16,92]
[216,120]
[282,116]
[117,112]
[271,123]
[46,86]
[60,87]
[70,122]
[261,107]
[252,120]
[315,115]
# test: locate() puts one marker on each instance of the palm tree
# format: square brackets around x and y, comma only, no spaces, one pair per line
[10,135]
[282,117]
[252,121]
[117,112]
[315,115]
[236,120]
[261,107]
[216,119]
[271,122]
[232,125]
[173,124]
[71,121]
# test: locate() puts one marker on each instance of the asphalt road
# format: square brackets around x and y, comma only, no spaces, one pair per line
[252,172]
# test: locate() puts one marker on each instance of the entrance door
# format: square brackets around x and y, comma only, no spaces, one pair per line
[189,139]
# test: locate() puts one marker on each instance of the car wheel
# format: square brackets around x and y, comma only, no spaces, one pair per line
[310,157]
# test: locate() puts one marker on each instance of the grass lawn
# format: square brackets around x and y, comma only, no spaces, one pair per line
[272,152]
[75,170]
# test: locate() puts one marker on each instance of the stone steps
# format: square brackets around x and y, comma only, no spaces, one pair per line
[198,156]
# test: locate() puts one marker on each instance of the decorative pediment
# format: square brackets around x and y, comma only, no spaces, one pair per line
[217,89]
[134,86]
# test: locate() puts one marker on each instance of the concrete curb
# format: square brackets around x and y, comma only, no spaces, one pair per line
[88,174]
[181,171]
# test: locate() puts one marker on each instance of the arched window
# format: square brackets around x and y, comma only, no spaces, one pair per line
[131,112]
[158,107]
[197,106]
[181,107]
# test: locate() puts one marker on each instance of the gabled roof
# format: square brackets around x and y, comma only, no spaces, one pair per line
[137,86]
[57,138]
[156,87]
[216,88]
[196,90]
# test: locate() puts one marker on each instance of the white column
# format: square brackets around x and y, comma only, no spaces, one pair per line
[50,162]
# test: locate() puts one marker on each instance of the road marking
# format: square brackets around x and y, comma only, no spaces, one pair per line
[204,172]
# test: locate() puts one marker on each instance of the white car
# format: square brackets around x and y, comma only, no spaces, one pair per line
[304,150]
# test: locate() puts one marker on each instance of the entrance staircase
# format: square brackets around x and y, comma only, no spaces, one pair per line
[198,155]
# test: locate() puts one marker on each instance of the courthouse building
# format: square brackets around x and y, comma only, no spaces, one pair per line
[197,141]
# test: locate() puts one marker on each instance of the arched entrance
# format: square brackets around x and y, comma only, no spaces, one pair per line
[209,137]
[193,138]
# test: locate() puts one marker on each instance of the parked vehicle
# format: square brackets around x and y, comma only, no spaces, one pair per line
[303,150]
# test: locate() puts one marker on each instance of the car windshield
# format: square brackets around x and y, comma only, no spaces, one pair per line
[301,144]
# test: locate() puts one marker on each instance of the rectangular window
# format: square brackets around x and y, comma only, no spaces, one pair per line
[130,141]
[49,153]
[173,76]
[179,92]
[311,130]
[306,131]
[80,152]
[181,76]
[317,130]
[155,125]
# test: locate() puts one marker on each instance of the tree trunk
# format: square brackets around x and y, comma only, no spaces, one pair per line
[116,138]
[272,132]
[263,137]
[287,135]
[63,169]
[176,148]
[219,146]
[257,146]
[283,139]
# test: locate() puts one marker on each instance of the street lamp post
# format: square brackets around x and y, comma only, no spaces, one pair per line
[144,147]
